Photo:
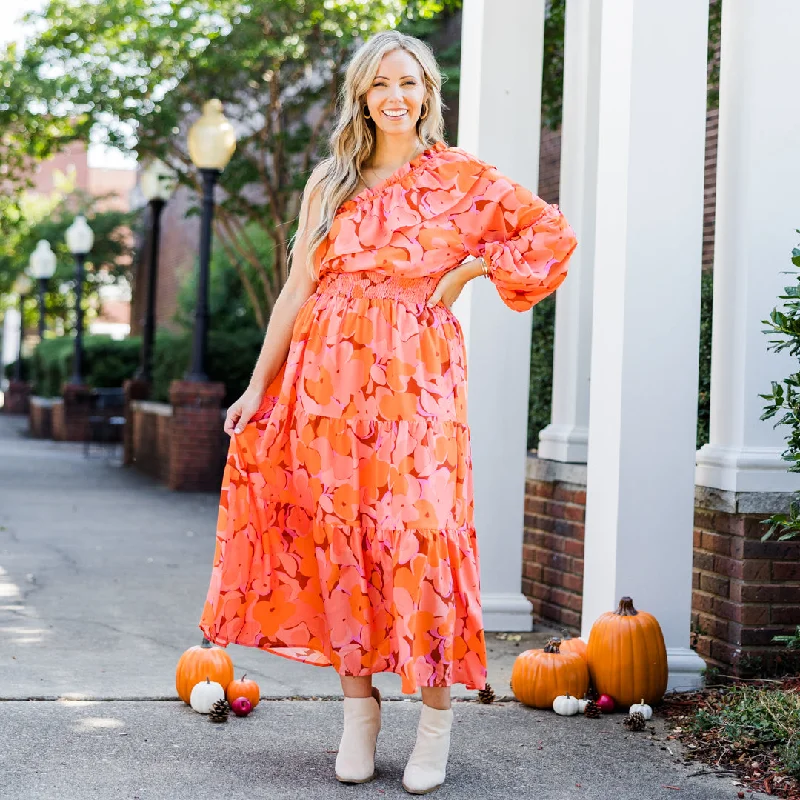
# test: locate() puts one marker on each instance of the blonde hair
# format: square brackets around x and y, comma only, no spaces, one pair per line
[353,138]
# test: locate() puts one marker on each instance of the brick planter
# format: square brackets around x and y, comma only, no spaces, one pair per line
[150,428]
[195,441]
[134,390]
[71,415]
[17,399]
[745,591]
[40,417]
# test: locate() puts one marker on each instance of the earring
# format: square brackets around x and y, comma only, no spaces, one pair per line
[367,115]
[423,116]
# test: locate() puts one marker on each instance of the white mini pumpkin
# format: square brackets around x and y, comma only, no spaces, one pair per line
[642,708]
[565,705]
[582,704]
[204,695]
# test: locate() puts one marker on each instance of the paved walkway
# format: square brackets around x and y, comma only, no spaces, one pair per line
[102,578]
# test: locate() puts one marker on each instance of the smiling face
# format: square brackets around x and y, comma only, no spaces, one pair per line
[397,94]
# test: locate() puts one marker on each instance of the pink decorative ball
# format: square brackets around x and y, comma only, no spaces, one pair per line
[241,706]
[606,703]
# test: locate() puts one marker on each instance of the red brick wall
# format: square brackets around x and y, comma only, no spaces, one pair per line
[40,418]
[745,591]
[151,437]
[552,551]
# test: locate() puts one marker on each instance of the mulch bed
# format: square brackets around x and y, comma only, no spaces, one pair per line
[757,770]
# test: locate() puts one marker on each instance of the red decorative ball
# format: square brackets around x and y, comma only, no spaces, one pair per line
[606,703]
[241,706]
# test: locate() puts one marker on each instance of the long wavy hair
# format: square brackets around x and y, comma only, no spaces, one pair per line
[353,138]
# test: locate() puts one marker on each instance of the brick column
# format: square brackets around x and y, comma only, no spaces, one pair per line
[196,445]
[745,591]
[71,418]
[17,398]
[40,417]
[135,389]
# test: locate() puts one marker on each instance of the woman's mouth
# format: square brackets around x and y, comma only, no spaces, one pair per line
[395,113]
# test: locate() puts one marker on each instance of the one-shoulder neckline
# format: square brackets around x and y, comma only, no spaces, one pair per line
[397,175]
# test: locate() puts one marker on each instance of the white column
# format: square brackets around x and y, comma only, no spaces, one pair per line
[644,370]
[758,174]
[566,437]
[499,120]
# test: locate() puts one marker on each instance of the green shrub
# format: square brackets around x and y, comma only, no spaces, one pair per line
[783,402]
[10,369]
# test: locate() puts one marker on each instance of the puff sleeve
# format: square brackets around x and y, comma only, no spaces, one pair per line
[526,242]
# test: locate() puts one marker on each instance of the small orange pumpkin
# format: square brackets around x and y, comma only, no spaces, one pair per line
[570,645]
[244,688]
[627,655]
[200,662]
[539,676]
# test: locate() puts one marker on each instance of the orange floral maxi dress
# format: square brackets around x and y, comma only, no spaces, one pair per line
[345,533]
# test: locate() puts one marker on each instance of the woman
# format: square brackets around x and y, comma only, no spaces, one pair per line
[346,533]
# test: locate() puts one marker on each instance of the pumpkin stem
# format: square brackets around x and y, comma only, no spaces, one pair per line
[553,646]
[205,643]
[626,608]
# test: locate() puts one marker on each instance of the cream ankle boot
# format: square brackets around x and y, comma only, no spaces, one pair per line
[355,762]
[426,768]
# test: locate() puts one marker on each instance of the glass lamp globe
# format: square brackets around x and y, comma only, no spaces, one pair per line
[158,181]
[79,237]
[42,263]
[212,140]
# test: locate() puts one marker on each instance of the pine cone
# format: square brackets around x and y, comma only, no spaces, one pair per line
[592,710]
[486,695]
[219,711]
[634,722]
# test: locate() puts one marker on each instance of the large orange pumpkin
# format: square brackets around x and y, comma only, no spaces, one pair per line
[200,662]
[627,655]
[243,688]
[539,676]
[570,645]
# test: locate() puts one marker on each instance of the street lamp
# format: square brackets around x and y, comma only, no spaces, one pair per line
[79,241]
[212,142]
[42,265]
[157,183]
[22,287]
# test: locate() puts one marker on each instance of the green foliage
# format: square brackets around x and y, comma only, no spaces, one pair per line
[704,388]
[792,641]
[541,381]
[553,64]
[753,720]
[783,402]
[31,222]
[106,363]
[135,73]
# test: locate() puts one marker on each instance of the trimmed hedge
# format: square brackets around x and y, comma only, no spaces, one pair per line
[109,363]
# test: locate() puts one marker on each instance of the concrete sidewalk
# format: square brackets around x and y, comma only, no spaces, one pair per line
[103,574]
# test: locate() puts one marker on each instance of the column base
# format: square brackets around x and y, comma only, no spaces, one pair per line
[566,443]
[685,670]
[506,612]
[751,469]
[17,398]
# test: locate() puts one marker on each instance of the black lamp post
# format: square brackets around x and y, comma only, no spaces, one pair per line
[157,184]
[212,142]
[22,286]
[79,241]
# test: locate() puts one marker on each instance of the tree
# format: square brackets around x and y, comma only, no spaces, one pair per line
[135,73]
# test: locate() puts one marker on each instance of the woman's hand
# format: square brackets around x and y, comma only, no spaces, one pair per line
[241,412]
[452,282]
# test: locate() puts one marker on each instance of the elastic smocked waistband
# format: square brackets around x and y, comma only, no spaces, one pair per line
[376,285]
